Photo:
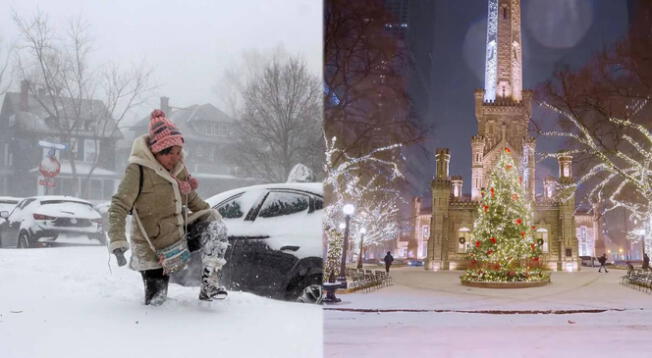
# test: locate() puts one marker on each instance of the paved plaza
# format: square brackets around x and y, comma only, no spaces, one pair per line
[432,313]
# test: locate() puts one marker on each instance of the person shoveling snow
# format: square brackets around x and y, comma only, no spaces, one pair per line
[158,191]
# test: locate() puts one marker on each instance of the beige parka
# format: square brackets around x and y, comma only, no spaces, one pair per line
[159,206]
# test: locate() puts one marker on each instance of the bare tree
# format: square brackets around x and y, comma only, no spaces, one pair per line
[5,61]
[234,79]
[605,114]
[280,123]
[79,99]
[366,104]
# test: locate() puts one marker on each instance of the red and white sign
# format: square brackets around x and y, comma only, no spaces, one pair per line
[46,182]
[49,167]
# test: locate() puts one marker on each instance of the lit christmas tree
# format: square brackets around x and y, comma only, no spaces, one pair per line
[503,248]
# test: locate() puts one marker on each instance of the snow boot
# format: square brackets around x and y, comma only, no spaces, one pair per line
[210,287]
[156,286]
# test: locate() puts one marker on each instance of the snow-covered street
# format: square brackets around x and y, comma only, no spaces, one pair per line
[624,328]
[65,302]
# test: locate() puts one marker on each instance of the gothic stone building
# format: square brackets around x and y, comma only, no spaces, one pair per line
[502,110]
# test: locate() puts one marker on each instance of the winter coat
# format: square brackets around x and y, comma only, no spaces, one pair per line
[388,259]
[602,260]
[159,206]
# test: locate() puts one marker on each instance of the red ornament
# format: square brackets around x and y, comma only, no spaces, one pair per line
[523,233]
[535,259]
[490,252]
[532,246]
[493,240]
[507,150]
[519,221]
[514,197]
[493,193]
[486,208]
[508,167]
[534,227]
[477,244]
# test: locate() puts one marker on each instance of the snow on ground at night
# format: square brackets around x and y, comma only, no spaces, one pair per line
[64,302]
[624,329]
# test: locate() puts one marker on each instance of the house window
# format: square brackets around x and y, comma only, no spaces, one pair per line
[90,150]
[425,232]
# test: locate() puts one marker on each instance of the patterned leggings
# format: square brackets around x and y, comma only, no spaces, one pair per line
[209,234]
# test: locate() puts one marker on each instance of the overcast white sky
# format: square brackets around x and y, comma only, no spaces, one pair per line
[189,43]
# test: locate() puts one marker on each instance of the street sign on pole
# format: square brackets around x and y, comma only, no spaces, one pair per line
[46,144]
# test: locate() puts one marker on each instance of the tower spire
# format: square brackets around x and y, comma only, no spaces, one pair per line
[503,63]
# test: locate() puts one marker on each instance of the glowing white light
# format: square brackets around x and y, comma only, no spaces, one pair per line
[348,209]
[491,64]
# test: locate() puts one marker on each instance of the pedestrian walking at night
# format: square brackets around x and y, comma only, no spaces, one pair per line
[603,261]
[646,262]
[388,261]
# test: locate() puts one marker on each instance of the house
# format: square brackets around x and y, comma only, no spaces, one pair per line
[208,134]
[87,162]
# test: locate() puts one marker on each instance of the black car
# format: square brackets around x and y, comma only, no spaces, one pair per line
[275,237]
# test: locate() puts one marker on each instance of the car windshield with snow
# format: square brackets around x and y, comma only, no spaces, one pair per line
[44,220]
[275,240]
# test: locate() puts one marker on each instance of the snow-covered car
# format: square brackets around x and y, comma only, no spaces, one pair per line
[275,237]
[40,220]
[8,203]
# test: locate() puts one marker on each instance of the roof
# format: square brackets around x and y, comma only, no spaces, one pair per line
[36,117]
[186,119]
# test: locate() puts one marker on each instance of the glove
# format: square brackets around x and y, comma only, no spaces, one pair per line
[120,256]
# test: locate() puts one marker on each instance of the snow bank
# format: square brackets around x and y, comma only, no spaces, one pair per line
[65,302]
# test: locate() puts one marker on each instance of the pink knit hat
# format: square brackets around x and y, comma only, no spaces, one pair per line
[162,132]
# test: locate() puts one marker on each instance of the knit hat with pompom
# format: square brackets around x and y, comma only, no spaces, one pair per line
[162,132]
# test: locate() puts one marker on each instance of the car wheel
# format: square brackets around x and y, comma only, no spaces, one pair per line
[309,290]
[23,241]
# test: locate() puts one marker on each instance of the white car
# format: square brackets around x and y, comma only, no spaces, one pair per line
[40,220]
[8,203]
[275,236]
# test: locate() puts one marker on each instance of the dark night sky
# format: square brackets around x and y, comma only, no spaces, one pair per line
[554,33]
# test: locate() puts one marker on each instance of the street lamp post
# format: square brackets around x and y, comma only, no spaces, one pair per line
[362,232]
[348,210]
